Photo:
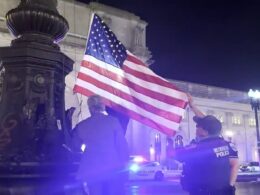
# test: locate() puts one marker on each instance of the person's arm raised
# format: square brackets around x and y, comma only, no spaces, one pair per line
[194,108]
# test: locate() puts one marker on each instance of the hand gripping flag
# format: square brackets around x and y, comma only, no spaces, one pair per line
[126,83]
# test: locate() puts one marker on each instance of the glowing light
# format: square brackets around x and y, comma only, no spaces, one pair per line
[256,154]
[83,147]
[134,167]
[152,151]
[229,133]
[251,93]
[254,94]
[138,159]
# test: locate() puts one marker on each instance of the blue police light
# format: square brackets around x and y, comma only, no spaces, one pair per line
[134,167]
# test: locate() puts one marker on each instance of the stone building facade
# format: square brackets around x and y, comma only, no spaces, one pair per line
[231,107]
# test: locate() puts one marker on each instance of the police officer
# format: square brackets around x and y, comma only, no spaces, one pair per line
[210,164]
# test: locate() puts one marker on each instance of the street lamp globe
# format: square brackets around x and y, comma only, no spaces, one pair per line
[254,101]
[254,94]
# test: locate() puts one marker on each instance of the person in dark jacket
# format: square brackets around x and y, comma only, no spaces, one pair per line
[103,163]
[210,164]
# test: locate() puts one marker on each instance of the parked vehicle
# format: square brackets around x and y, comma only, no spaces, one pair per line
[250,167]
[142,169]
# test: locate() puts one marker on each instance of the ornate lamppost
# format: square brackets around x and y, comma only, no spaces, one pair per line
[32,120]
[254,101]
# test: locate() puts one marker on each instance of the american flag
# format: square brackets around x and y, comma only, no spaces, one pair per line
[126,83]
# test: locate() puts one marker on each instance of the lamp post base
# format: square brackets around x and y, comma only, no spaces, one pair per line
[32,178]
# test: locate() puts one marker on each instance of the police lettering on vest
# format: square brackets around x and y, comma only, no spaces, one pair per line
[221,151]
[206,163]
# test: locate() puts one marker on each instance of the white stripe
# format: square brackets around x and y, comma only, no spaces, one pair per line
[104,65]
[157,88]
[128,105]
[151,86]
[141,68]
[175,93]
[132,92]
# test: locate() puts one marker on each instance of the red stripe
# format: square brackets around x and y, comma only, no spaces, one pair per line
[135,60]
[130,113]
[82,90]
[155,95]
[117,92]
[149,78]
[146,121]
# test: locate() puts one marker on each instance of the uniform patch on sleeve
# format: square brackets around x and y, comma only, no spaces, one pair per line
[233,146]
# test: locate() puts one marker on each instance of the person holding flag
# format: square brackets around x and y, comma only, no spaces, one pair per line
[126,83]
[210,164]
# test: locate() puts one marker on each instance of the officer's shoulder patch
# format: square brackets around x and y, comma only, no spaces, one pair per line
[233,146]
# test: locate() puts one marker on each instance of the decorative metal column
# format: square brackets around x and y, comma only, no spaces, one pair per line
[255,104]
[32,104]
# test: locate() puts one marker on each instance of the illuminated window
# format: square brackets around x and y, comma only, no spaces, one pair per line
[236,120]
[251,122]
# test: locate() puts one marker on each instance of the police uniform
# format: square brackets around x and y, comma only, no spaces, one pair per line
[206,169]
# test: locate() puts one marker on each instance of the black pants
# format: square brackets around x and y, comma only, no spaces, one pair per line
[225,191]
[110,186]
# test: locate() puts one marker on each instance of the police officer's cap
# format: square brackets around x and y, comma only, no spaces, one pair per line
[209,123]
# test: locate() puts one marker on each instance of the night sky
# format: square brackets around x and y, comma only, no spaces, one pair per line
[212,42]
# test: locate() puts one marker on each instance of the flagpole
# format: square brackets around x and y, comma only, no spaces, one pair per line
[79,96]
[92,12]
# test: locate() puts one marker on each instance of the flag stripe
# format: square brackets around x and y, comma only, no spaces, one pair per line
[135,60]
[150,85]
[117,83]
[128,105]
[132,114]
[109,87]
[141,72]
[171,101]
[146,121]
